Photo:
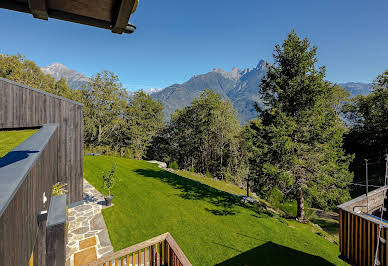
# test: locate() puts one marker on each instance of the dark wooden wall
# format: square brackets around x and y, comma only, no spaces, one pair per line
[358,239]
[21,107]
[20,232]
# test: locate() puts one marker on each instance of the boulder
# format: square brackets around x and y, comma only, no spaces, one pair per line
[160,164]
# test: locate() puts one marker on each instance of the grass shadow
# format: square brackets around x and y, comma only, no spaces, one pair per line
[329,226]
[274,254]
[223,202]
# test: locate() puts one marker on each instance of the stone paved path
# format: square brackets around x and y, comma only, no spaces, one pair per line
[88,237]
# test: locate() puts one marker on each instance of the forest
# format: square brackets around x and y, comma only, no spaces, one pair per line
[308,143]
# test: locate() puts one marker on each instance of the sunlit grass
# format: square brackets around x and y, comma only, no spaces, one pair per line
[12,138]
[212,227]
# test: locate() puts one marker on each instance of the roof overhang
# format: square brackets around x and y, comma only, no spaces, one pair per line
[107,14]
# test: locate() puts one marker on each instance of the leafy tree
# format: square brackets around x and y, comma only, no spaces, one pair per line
[104,101]
[296,144]
[144,118]
[18,69]
[368,136]
[204,136]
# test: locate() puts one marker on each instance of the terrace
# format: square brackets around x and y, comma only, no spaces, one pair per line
[41,144]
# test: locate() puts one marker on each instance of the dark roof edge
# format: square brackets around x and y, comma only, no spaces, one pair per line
[13,173]
[40,91]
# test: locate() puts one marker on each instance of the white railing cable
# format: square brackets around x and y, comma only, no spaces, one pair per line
[380,239]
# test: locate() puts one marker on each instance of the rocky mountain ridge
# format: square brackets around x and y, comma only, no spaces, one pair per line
[241,87]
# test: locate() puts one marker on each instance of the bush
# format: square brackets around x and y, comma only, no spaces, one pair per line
[58,189]
[173,165]
[208,174]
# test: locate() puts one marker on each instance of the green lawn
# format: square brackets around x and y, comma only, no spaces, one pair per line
[11,139]
[217,184]
[211,226]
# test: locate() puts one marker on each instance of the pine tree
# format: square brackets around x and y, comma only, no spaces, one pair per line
[296,145]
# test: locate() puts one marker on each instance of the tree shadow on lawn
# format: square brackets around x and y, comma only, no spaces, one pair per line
[274,254]
[223,202]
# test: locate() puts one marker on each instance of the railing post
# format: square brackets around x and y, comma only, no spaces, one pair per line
[152,255]
[165,252]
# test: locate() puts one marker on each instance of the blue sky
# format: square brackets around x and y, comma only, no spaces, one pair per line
[176,39]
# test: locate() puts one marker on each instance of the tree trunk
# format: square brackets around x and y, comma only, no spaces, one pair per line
[300,206]
[99,134]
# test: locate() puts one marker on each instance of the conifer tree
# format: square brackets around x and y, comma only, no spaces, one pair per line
[296,144]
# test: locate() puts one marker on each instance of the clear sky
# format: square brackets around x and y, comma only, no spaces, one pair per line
[176,39]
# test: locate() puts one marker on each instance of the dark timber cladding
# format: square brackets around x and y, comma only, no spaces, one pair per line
[23,107]
[26,174]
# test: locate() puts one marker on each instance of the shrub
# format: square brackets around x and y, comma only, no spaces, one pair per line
[173,165]
[58,189]
[208,174]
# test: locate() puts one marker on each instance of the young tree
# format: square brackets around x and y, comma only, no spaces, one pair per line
[296,145]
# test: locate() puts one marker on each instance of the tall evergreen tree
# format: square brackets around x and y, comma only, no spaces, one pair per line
[296,145]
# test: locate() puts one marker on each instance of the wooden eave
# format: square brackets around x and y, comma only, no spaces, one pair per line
[107,14]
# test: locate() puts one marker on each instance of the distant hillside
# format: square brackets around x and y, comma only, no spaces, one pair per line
[240,86]
[356,88]
[73,78]
[76,79]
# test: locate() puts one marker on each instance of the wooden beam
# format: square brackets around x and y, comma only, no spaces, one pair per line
[38,9]
[121,17]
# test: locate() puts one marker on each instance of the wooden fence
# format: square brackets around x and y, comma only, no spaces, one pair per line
[25,107]
[359,231]
[158,251]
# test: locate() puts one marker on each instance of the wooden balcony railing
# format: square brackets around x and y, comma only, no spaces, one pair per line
[158,251]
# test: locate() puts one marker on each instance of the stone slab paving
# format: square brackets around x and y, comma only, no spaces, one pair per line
[88,237]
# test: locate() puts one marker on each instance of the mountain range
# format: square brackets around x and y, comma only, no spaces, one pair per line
[241,87]
[58,71]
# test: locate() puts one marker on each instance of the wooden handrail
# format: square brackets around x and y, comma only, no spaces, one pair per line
[173,255]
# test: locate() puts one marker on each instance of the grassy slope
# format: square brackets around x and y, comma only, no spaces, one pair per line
[11,139]
[220,185]
[210,226]
[329,225]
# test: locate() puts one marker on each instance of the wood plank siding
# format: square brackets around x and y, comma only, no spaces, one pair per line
[26,173]
[358,232]
[24,107]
